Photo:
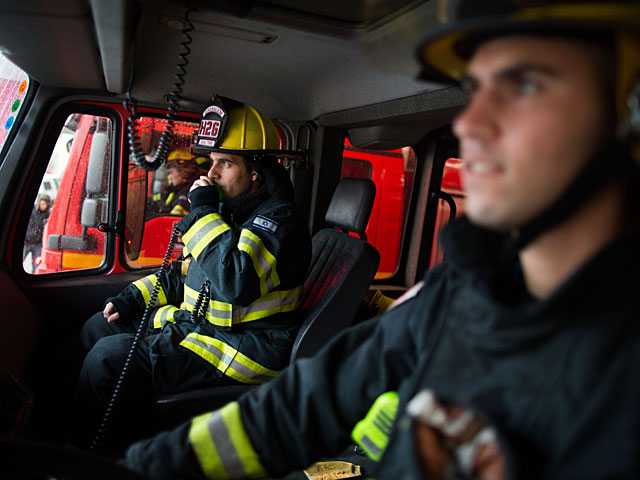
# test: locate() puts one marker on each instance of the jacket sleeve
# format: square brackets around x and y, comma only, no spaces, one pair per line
[135,297]
[305,414]
[270,251]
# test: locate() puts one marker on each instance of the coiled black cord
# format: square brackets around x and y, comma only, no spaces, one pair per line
[173,98]
[113,402]
[202,302]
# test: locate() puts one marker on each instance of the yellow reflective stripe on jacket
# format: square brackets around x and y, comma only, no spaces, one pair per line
[221,445]
[273,302]
[226,314]
[169,198]
[202,233]
[372,433]
[145,285]
[263,260]
[227,359]
[164,315]
[178,210]
[218,313]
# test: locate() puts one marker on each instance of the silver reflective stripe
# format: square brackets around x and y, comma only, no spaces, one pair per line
[146,285]
[163,315]
[203,231]
[224,445]
[226,359]
[272,303]
[369,446]
[259,255]
[225,314]
[218,313]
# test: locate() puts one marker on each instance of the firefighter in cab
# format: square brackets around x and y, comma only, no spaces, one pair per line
[183,169]
[226,315]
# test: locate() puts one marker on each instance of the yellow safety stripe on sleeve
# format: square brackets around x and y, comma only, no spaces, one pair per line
[222,446]
[372,433]
[169,198]
[202,233]
[163,315]
[225,314]
[178,210]
[263,260]
[146,285]
[227,359]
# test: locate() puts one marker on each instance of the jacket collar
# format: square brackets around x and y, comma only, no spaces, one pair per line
[491,261]
[239,208]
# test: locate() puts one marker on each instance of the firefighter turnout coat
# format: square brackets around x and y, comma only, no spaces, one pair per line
[245,264]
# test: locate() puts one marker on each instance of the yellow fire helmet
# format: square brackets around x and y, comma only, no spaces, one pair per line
[229,126]
[188,164]
[467,23]
[179,155]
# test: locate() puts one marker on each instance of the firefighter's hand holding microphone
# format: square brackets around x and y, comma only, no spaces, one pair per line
[208,193]
[204,192]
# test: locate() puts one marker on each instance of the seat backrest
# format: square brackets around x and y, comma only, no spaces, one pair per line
[342,267]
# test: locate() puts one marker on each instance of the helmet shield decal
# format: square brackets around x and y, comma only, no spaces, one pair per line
[213,124]
[232,127]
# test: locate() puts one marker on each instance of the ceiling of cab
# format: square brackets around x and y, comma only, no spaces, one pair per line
[293,59]
[356,12]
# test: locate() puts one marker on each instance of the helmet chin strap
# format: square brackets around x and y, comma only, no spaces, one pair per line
[611,161]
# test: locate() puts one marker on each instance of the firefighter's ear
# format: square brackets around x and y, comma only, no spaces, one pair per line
[254,176]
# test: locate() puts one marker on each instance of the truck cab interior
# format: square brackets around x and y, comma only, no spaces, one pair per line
[339,79]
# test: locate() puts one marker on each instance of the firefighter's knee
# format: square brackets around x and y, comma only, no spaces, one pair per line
[95,328]
[104,362]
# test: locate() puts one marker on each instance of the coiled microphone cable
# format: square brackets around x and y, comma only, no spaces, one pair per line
[173,99]
[100,436]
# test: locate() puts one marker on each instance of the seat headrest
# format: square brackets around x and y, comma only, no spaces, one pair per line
[351,205]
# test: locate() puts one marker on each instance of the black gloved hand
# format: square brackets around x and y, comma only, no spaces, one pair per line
[204,197]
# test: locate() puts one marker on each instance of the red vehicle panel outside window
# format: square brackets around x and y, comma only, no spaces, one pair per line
[392,172]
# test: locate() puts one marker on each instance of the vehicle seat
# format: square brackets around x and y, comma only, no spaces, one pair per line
[342,268]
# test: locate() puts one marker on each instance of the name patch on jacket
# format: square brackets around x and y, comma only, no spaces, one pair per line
[265,224]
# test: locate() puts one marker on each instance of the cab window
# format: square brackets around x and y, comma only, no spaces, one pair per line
[63,231]
[392,172]
[157,199]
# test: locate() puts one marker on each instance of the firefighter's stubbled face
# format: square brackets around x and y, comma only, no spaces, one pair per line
[231,174]
[536,113]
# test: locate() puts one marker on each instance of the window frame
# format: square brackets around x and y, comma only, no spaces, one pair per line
[444,146]
[54,125]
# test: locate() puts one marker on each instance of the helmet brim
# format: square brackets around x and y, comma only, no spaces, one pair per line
[289,154]
[444,54]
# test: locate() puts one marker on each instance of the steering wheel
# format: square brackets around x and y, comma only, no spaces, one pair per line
[38,461]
